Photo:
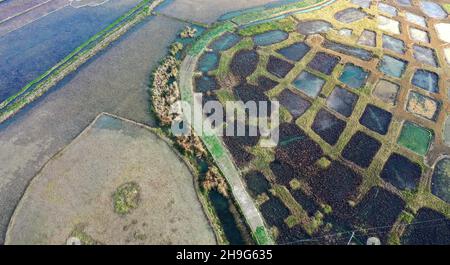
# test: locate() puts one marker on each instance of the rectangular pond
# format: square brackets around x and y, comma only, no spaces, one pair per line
[353,76]
[309,84]
[30,51]
[13,7]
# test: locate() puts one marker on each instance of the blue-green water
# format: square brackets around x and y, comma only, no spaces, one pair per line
[225,42]
[392,66]
[270,37]
[353,76]
[208,62]
[426,80]
[205,83]
[295,52]
[309,84]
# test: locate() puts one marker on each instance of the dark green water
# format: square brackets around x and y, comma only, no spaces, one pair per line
[229,224]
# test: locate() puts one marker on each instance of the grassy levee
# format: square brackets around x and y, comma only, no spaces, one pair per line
[212,142]
[41,84]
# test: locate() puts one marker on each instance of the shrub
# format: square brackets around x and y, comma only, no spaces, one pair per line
[188,32]
[215,180]
[126,198]
[165,91]
[191,145]
[175,48]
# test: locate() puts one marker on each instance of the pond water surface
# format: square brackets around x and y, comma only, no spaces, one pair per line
[440,182]
[270,37]
[222,207]
[30,51]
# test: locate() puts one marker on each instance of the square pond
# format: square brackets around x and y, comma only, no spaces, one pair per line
[388,9]
[393,44]
[342,101]
[376,119]
[309,84]
[324,63]
[415,138]
[379,208]
[386,91]
[256,183]
[426,80]
[208,62]
[205,83]
[295,104]
[278,67]
[295,52]
[401,172]
[225,42]
[425,55]
[328,126]
[368,38]
[423,106]
[270,37]
[416,19]
[392,66]
[419,35]
[440,181]
[361,149]
[354,76]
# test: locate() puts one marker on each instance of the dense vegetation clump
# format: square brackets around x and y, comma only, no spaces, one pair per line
[215,180]
[175,48]
[188,32]
[165,90]
[191,146]
[126,198]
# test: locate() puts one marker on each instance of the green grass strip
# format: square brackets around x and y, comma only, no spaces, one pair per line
[446,7]
[282,24]
[261,236]
[215,146]
[260,15]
